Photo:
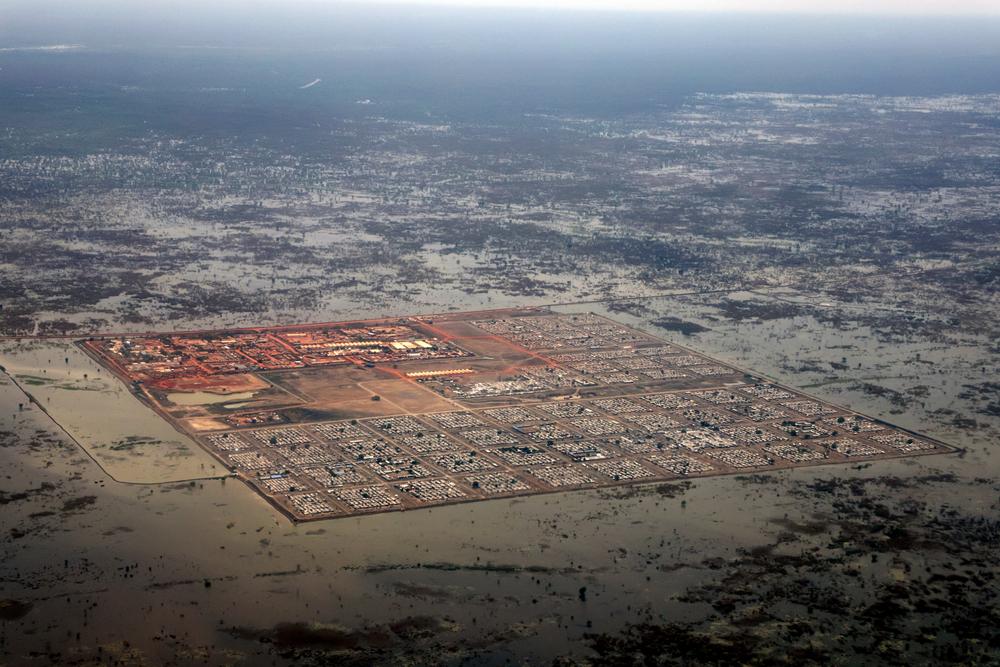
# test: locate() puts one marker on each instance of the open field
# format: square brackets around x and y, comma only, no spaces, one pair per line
[474,406]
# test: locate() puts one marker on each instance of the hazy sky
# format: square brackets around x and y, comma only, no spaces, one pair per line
[921,7]
[688,28]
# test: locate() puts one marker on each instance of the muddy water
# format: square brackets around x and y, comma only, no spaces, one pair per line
[130,441]
[207,398]
[102,562]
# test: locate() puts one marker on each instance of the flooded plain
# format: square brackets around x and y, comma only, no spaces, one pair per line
[206,572]
[124,436]
[160,189]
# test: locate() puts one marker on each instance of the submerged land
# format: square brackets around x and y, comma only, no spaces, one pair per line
[696,566]
[840,247]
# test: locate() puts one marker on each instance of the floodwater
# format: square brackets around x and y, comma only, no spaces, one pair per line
[197,571]
[207,398]
[126,438]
